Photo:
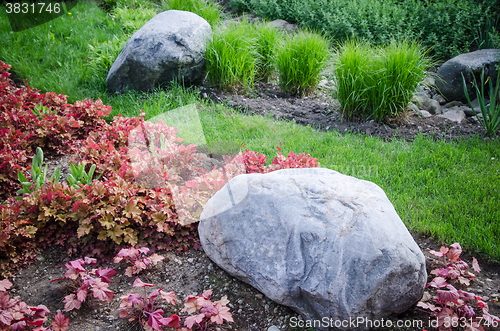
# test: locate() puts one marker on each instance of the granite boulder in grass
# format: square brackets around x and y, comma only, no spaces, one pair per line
[170,46]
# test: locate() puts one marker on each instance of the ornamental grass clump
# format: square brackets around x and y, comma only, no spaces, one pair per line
[300,60]
[378,82]
[231,57]
[268,38]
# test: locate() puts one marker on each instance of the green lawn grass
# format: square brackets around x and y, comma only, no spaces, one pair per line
[447,190]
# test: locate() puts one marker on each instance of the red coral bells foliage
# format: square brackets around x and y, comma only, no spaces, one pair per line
[451,305]
[17,240]
[151,189]
[137,258]
[95,280]
[143,308]
[17,315]
[21,131]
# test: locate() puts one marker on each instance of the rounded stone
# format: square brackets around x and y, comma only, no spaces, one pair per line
[170,46]
[322,243]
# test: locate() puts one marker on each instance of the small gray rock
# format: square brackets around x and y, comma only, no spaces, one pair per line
[475,103]
[454,115]
[283,25]
[468,111]
[425,113]
[413,108]
[454,104]
[434,107]
[421,101]
[429,81]
[439,98]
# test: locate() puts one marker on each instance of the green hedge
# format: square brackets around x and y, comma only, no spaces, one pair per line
[450,27]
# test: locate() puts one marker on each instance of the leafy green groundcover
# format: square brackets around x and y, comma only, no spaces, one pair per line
[450,27]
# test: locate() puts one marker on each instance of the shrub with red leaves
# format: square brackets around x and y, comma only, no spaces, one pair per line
[21,131]
[151,191]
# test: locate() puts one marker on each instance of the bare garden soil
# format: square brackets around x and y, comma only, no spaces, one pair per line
[322,112]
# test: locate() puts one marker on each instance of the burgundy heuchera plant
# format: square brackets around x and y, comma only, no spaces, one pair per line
[17,315]
[144,309]
[96,280]
[454,307]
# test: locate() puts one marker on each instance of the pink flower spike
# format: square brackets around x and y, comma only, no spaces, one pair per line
[140,283]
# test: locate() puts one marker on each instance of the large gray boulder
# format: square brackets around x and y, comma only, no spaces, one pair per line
[449,80]
[327,245]
[169,46]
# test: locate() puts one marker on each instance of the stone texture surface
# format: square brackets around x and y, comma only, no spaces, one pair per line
[169,46]
[325,244]
[425,113]
[439,98]
[454,115]
[470,64]
[283,25]
[421,100]
[434,107]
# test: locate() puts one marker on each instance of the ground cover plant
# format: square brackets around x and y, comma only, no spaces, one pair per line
[17,315]
[449,27]
[378,82]
[209,10]
[453,307]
